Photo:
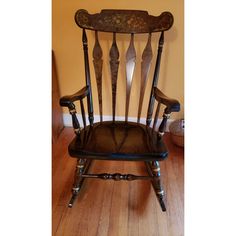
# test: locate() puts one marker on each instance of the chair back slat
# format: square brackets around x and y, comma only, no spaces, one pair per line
[130,64]
[124,21]
[145,67]
[98,62]
[114,65]
[155,79]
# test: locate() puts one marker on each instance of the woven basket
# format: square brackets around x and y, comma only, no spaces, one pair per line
[177,132]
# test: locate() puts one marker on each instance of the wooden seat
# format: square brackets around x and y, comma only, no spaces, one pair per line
[121,140]
[118,141]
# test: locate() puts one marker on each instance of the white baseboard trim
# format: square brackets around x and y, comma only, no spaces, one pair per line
[68,121]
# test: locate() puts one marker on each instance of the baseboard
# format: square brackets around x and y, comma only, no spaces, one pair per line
[68,121]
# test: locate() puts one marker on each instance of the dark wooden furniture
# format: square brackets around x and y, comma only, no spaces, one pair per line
[120,140]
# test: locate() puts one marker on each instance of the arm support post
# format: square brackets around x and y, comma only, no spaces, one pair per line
[68,101]
[75,121]
[172,105]
[162,127]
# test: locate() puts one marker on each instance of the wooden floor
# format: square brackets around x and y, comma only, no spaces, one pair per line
[116,208]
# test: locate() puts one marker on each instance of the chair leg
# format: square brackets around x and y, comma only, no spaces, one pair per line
[157,184]
[154,170]
[81,168]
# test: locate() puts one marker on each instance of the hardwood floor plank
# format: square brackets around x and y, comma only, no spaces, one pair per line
[116,207]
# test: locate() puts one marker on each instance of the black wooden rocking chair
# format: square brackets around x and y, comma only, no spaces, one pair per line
[99,140]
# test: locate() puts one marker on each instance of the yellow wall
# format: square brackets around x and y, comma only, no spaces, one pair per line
[67,46]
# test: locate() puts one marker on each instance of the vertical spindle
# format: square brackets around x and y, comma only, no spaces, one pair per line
[83,112]
[156,116]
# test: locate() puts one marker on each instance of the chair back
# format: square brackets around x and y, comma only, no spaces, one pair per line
[123,22]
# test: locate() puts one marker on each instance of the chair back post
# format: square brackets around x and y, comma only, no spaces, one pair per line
[87,77]
[155,79]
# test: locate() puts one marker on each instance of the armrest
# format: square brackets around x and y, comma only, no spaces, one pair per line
[172,104]
[66,101]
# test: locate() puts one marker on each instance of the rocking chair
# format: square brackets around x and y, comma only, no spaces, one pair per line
[140,142]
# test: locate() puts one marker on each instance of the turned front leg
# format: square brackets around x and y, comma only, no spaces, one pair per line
[78,180]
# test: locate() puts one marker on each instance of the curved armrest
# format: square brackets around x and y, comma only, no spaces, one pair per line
[66,101]
[172,104]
